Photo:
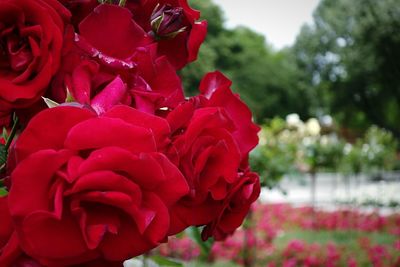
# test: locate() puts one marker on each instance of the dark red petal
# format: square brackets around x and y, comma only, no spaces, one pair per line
[212,81]
[81,88]
[102,132]
[48,130]
[174,185]
[47,237]
[110,96]
[6,226]
[111,30]
[180,116]
[104,181]
[158,126]
[215,86]
[11,251]
[32,180]
[196,38]
[116,248]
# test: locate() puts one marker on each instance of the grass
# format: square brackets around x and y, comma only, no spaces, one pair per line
[348,238]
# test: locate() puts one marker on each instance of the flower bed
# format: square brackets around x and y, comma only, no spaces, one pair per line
[283,235]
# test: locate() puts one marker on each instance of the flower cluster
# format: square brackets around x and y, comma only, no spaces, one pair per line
[118,160]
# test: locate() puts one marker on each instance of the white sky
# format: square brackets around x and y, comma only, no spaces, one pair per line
[278,20]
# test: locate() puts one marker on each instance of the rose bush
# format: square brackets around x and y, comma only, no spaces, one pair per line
[31,39]
[92,187]
[119,160]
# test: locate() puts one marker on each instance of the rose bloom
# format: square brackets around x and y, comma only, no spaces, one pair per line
[88,187]
[212,135]
[117,66]
[235,207]
[31,38]
[172,24]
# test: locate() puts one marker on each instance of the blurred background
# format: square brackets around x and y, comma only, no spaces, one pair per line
[323,80]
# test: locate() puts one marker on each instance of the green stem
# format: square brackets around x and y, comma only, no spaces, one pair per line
[204,247]
[122,2]
[12,133]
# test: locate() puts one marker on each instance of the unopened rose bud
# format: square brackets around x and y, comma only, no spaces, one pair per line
[167,21]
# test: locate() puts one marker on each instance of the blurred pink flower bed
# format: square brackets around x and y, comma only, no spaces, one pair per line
[272,222]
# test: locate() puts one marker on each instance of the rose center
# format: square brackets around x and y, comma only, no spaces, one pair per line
[15,52]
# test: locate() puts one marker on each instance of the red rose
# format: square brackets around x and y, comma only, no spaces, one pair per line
[131,75]
[216,88]
[173,24]
[212,137]
[31,37]
[235,208]
[209,158]
[88,187]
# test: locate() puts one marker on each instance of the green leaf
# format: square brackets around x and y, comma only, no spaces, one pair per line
[3,155]
[3,192]
[5,134]
[70,98]
[50,103]
[163,261]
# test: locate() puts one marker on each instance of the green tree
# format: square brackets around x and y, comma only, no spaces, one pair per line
[352,58]
[268,81]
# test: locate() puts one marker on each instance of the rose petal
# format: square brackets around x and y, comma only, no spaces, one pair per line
[40,133]
[119,35]
[158,126]
[101,132]
[110,96]
[31,182]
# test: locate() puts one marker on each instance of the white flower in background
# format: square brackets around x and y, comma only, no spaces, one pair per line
[301,129]
[307,141]
[312,126]
[293,120]
[347,148]
[327,121]
[138,262]
[325,140]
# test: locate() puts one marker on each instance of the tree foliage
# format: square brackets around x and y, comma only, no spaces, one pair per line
[352,58]
[268,80]
[347,63]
